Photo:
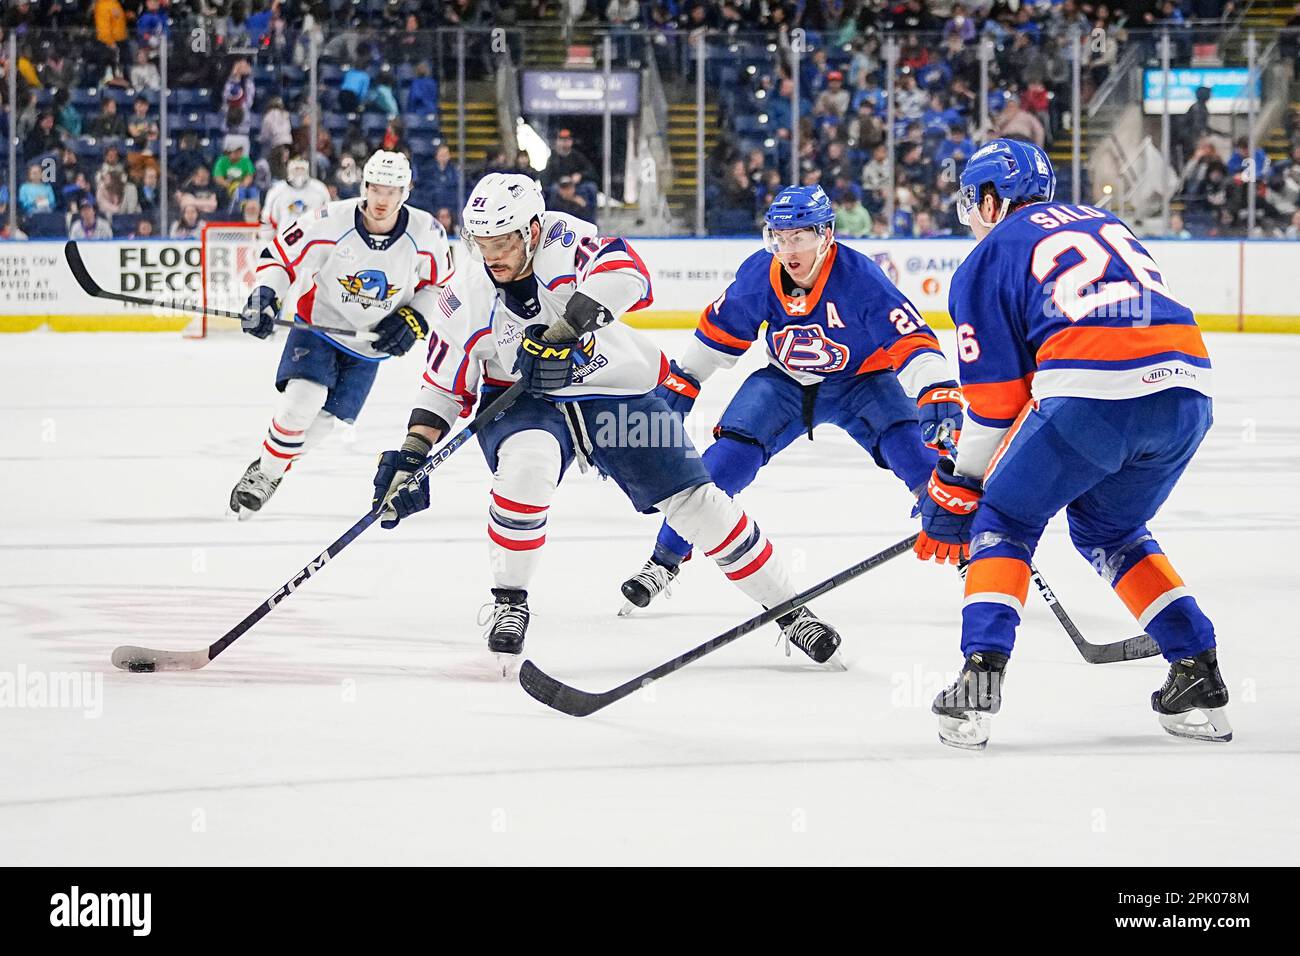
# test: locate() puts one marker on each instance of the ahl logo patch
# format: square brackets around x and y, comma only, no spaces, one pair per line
[368,287]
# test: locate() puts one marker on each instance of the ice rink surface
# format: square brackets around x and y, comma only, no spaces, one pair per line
[360,721]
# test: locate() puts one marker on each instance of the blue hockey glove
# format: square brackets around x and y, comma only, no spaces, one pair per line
[937,406]
[679,390]
[258,317]
[545,366]
[396,333]
[947,508]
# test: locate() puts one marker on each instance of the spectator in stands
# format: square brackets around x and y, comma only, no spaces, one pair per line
[187,157]
[382,95]
[1292,231]
[237,97]
[144,75]
[1016,123]
[951,154]
[909,100]
[447,218]
[109,124]
[189,225]
[112,197]
[148,193]
[152,25]
[623,12]
[110,30]
[76,191]
[422,97]
[735,194]
[347,177]
[834,99]
[5,231]
[139,158]
[58,71]
[277,126]
[27,69]
[442,178]
[566,161]
[1177,228]
[143,230]
[233,170]
[851,217]
[355,86]
[89,224]
[68,119]
[110,164]
[36,195]
[566,199]
[198,191]
[250,211]
[43,138]
[1237,162]
[140,125]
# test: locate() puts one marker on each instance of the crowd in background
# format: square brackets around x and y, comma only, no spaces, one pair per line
[88,105]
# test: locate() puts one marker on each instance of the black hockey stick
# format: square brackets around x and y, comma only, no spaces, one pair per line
[1130,649]
[580,703]
[143,659]
[95,290]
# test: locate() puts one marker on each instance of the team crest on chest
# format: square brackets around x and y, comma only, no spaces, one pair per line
[368,287]
[806,348]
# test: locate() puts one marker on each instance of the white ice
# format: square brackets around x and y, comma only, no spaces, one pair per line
[360,723]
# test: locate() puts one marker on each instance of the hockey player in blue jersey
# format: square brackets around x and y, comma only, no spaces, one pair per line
[1088,387]
[845,347]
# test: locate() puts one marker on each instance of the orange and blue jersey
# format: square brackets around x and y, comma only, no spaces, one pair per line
[1061,300]
[851,322]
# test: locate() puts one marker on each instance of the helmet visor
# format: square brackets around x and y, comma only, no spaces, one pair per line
[967,202]
[803,239]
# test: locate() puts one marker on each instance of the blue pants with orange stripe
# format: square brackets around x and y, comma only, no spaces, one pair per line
[1110,465]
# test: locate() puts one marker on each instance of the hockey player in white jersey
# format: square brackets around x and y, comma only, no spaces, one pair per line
[296,196]
[590,399]
[373,264]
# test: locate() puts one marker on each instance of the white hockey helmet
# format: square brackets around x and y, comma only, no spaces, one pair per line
[297,172]
[502,203]
[386,168]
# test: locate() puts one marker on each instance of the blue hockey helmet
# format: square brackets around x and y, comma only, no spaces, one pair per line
[1019,171]
[798,208]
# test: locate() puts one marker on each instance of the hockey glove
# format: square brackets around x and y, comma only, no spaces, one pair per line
[396,333]
[937,406]
[545,366]
[258,317]
[947,508]
[678,390]
[392,482]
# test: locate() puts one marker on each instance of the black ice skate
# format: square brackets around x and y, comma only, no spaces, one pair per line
[506,623]
[811,635]
[965,706]
[254,489]
[646,585]
[1191,704]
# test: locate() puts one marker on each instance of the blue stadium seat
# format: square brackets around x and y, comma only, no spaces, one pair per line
[46,225]
[189,98]
[83,98]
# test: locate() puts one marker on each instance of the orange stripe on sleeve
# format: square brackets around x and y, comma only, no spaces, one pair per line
[721,336]
[1093,343]
[1008,576]
[1145,582]
[903,349]
[998,399]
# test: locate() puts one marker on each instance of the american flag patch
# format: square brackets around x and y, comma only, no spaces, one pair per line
[448,302]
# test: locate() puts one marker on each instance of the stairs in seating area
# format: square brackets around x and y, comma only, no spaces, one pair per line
[481,130]
[681,144]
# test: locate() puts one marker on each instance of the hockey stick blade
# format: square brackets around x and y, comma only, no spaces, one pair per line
[1131,649]
[557,695]
[93,289]
[144,660]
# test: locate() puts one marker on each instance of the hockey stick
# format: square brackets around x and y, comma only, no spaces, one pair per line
[95,290]
[1130,649]
[580,703]
[143,659]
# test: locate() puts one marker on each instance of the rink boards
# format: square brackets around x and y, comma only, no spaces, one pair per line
[1231,285]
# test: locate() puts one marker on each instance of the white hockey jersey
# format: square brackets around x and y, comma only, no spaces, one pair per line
[327,270]
[286,202]
[477,325]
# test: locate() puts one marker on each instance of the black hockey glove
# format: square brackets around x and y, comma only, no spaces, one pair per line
[545,366]
[392,477]
[396,333]
[258,317]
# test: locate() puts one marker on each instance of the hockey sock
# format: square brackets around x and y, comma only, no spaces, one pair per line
[285,441]
[707,515]
[732,465]
[1155,595]
[528,471]
[997,581]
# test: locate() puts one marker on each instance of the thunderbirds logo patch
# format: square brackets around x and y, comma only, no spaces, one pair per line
[368,287]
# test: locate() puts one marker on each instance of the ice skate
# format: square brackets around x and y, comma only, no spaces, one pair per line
[506,622]
[964,708]
[811,635]
[1192,701]
[253,490]
[647,584]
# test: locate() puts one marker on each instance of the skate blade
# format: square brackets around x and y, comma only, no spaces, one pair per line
[836,662]
[965,733]
[1208,725]
[627,608]
[508,664]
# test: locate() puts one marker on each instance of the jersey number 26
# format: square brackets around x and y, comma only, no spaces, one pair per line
[1076,292]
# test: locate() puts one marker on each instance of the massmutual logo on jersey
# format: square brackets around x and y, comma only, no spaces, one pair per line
[806,348]
[368,287]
